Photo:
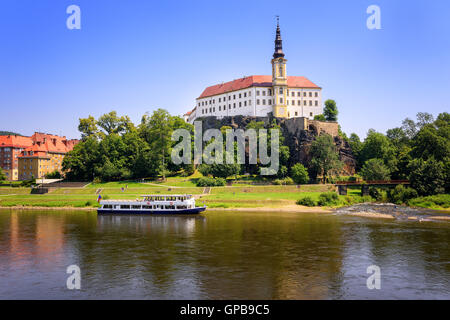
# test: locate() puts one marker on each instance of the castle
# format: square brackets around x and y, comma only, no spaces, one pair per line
[282,95]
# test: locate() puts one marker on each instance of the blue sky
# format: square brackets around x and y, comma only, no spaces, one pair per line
[135,56]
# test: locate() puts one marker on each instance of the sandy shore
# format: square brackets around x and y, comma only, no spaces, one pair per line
[288,208]
[49,208]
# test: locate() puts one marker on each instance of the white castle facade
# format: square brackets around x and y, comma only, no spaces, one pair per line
[282,95]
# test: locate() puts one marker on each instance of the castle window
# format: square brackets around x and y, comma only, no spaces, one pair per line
[310,94]
[281,90]
[316,94]
[234,97]
[234,105]
[219,108]
[214,101]
[281,100]
[287,102]
[310,114]
[293,93]
[249,93]
[240,104]
[229,106]
[304,94]
[298,94]
[240,96]
[310,103]
[298,102]
[281,71]
[245,103]
[317,103]
[305,102]
[263,92]
[245,94]
[219,100]
[214,109]
[229,98]
[270,92]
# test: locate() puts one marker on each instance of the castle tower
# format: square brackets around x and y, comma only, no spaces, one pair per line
[279,77]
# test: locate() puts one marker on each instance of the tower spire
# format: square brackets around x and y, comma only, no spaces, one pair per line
[278,42]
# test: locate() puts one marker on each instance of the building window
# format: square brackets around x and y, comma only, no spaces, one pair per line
[234,97]
[257,101]
[310,102]
[219,108]
[281,71]
[229,106]
[245,103]
[316,94]
[310,114]
[317,103]
[298,94]
[249,102]
[281,90]
[240,104]
[234,105]
[249,93]
[263,92]
[296,113]
[270,92]
[257,92]
[264,102]
[304,94]
[281,100]
[293,93]
[310,94]
[229,98]
[269,102]
[305,102]
[287,102]
[245,94]
[240,96]
[219,100]
[298,102]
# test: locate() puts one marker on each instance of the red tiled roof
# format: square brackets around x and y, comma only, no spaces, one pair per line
[13,141]
[44,143]
[255,81]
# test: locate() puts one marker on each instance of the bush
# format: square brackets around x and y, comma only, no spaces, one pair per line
[328,199]
[307,201]
[375,193]
[53,175]
[285,181]
[299,174]
[436,201]
[210,182]
[400,194]
[88,203]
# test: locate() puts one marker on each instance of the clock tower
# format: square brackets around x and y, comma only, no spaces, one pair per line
[279,77]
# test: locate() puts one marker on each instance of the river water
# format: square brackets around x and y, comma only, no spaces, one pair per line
[221,255]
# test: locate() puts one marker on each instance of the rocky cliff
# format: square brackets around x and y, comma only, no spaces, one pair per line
[299,133]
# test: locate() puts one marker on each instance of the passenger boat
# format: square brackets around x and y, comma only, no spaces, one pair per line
[152,204]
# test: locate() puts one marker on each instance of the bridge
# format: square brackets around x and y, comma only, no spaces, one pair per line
[342,186]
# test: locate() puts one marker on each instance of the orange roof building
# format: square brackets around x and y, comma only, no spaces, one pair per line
[45,155]
[259,95]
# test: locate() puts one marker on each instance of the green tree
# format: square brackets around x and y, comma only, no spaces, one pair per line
[111,123]
[330,111]
[2,175]
[375,169]
[377,146]
[324,157]
[320,117]
[428,177]
[88,127]
[299,174]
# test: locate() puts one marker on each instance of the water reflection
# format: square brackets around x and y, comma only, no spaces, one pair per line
[220,256]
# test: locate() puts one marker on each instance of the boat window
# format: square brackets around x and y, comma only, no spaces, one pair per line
[147,207]
[124,207]
[107,206]
[136,207]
